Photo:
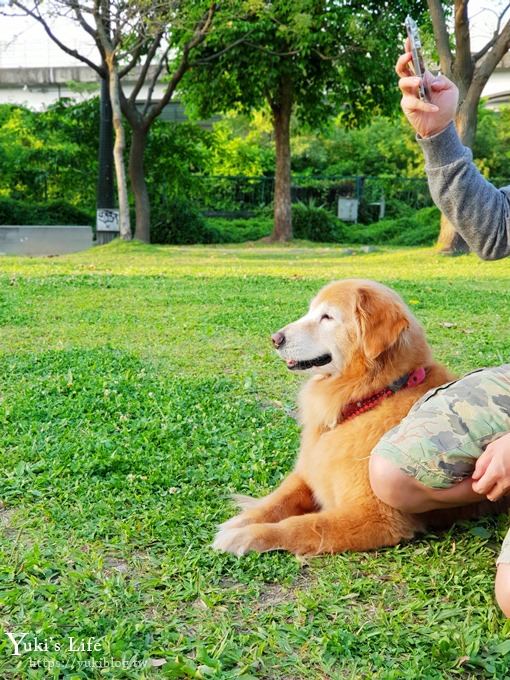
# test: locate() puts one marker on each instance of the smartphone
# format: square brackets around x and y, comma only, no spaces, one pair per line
[418,64]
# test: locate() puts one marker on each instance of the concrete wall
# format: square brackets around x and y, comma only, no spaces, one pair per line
[44,240]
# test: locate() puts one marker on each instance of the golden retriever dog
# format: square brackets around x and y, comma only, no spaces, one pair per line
[369,362]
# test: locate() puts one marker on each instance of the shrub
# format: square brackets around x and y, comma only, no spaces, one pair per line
[53,212]
[420,228]
[177,221]
[314,223]
[238,230]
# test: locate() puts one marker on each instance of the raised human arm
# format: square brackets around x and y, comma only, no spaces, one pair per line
[479,211]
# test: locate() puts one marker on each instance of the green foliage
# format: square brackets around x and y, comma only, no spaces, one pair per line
[492,143]
[181,223]
[50,155]
[51,212]
[382,147]
[176,153]
[314,223]
[178,221]
[238,230]
[242,145]
[311,44]
[419,228]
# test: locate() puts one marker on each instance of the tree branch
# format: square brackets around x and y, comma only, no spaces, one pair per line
[441,36]
[73,53]
[81,20]
[154,80]
[463,66]
[132,62]
[481,53]
[145,68]
[199,35]
[487,65]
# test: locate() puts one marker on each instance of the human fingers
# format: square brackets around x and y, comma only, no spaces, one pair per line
[440,83]
[482,463]
[409,85]
[491,476]
[410,104]
[402,66]
[498,491]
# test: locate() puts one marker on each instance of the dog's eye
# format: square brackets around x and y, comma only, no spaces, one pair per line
[326,317]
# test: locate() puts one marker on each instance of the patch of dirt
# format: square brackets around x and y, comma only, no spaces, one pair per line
[274,594]
[6,521]
[115,564]
[6,516]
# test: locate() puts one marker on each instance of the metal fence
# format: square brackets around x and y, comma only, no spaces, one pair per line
[242,195]
[239,195]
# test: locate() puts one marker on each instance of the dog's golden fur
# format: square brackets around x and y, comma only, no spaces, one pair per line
[326,504]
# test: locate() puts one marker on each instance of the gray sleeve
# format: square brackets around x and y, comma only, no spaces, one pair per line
[478,210]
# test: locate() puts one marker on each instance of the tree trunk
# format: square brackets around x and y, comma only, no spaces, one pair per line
[139,185]
[450,242]
[118,150]
[282,109]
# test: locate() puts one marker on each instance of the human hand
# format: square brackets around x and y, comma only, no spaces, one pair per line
[491,476]
[427,118]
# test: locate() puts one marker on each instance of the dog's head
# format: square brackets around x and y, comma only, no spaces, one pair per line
[350,320]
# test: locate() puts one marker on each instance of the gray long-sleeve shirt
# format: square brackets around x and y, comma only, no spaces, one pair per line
[478,210]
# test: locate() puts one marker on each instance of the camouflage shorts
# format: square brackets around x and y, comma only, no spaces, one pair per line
[444,433]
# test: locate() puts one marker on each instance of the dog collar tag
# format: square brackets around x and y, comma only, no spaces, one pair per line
[416,377]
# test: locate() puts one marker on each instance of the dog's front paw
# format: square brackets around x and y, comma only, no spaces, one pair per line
[238,521]
[242,539]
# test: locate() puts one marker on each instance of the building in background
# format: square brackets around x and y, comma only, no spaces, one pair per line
[35,72]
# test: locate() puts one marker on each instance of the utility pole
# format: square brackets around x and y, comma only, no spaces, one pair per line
[107,217]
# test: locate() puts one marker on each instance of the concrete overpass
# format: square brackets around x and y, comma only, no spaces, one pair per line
[38,87]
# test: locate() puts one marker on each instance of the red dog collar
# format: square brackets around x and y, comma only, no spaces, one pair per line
[356,408]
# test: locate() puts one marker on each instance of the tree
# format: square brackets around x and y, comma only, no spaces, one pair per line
[49,155]
[143,38]
[470,72]
[308,57]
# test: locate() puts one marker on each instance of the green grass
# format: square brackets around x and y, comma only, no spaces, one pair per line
[138,390]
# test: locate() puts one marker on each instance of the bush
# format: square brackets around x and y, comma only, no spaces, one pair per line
[181,223]
[53,212]
[420,228]
[239,230]
[177,221]
[314,223]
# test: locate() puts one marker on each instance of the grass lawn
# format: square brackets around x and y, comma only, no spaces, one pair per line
[138,390]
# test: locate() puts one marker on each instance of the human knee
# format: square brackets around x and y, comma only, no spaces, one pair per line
[392,486]
[503,588]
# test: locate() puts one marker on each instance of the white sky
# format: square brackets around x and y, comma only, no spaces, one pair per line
[23,42]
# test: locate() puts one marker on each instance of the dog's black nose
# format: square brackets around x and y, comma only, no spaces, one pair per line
[278,339]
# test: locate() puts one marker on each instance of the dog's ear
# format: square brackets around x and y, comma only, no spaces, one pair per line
[381,321]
